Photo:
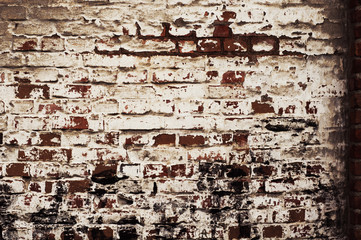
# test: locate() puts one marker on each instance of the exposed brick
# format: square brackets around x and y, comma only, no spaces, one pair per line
[236,77]
[191,140]
[32,91]
[164,139]
[235,44]
[78,186]
[355,151]
[297,215]
[17,170]
[273,232]
[100,233]
[209,45]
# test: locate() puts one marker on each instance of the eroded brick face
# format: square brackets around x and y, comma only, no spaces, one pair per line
[174,120]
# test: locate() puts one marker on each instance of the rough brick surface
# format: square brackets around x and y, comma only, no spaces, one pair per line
[176,119]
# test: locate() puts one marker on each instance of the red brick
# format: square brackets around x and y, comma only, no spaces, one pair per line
[355,168]
[357,32]
[209,45]
[358,49]
[272,232]
[356,65]
[17,170]
[355,218]
[191,140]
[27,91]
[355,151]
[155,171]
[355,100]
[297,215]
[236,44]
[260,107]
[222,31]
[164,139]
[354,234]
[355,185]
[355,117]
[355,135]
[236,77]
[78,186]
[356,15]
[181,170]
[50,139]
[355,202]
[100,233]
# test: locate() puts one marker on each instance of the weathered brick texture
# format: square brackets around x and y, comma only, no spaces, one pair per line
[174,119]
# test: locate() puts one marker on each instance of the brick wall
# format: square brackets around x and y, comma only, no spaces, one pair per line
[174,119]
[355,120]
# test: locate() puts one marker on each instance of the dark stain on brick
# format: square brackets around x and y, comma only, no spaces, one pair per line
[129,233]
[28,46]
[83,90]
[310,110]
[263,170]
[98,233]
[164,139]
[277,127]
[35,187]
[238,171]
[105,174]
[241,139]
[24,91]
[191,140]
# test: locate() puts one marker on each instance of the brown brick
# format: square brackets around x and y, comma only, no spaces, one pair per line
[260,107]
[356,65]
[32,91]
[355,135]
[164,139]
[50,139]
[272,232]
[355,168]
[354,234]
[239,232]
[355,117]
[355,185]
[235,44]
[79,186]
[355,151]
[100,233]
[355,202]
[355,218]
[191,140]
[297,215]
[13,13]
[233,77]
[209,45]
[17,170]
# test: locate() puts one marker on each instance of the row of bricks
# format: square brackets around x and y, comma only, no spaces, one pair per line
[97,123]
[117,138]
[115,202]
[258,202]
[181,170]
[140,92]
[184,231]
[251,44]
[155,107]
